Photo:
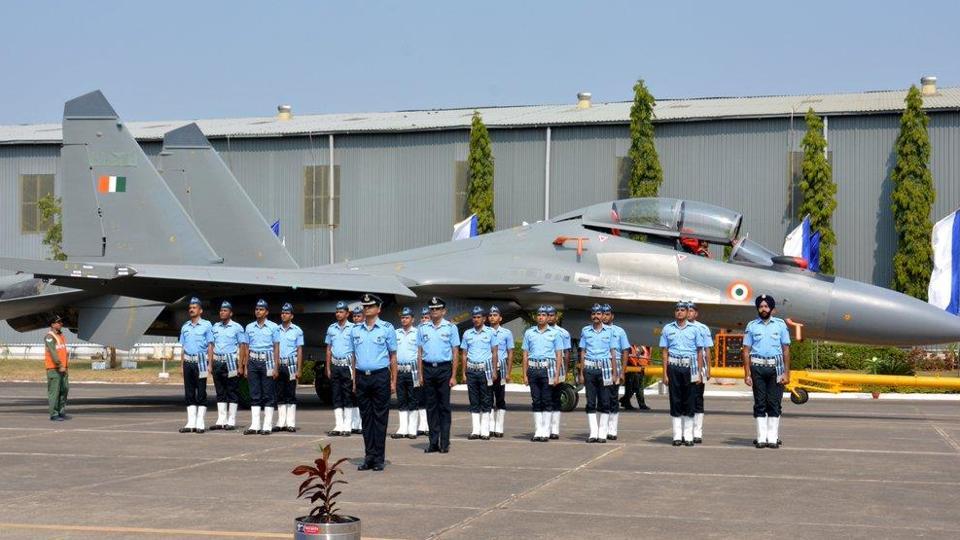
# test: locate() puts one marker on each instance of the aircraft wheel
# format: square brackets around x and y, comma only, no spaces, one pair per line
[568,397]
[799,396]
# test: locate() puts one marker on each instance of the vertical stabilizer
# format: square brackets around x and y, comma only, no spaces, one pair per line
[115,204]
[217,202]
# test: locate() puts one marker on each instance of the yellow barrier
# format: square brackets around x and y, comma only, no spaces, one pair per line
[802,381]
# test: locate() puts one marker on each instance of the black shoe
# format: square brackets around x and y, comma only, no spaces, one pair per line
[484,437]
[364,467]
[593,440]
[611,437]
[411,436]
[345,433]
[431,449]
[64,416]
[397,435]
[333,433]
[544,439]
[602,441]
[275,429]
[688,443]
[677,443]
[228,427]
[264,432]
[421,432]
[498,434]
[697,440]
[377,468]
[554,436]
[356,431]
[216,427]
[625,403]
[291,429]
[249,431]
[779,443]
[759,444]
[643,407]
[181,430]
[473,437]
[199,430]
[445,450]
[58,419]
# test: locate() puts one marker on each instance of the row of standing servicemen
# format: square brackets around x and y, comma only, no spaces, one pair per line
[368,360]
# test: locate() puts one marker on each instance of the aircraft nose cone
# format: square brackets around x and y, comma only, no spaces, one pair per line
[868,314]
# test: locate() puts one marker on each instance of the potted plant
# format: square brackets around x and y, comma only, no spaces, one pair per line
[324,521]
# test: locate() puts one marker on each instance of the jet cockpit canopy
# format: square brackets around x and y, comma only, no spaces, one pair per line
[666,217]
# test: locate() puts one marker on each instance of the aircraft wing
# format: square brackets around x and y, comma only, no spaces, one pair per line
[167,282]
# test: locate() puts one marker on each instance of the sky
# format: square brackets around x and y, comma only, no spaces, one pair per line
[185,60]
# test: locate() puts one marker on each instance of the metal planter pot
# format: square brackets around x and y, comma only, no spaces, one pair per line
[345,530]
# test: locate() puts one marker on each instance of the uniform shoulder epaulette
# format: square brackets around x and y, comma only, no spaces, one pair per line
[386,324]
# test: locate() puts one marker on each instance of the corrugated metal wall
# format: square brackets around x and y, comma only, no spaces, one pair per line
[397,190]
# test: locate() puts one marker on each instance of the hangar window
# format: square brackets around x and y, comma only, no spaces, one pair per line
[317,196]
[33,187]
[461,187]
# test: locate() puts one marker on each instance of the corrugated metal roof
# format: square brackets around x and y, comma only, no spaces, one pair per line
[667,110]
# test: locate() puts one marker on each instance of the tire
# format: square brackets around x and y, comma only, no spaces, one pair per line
[799,396]
[568,397]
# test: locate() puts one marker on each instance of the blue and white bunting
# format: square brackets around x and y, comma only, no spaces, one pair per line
[944,289]
[466,228]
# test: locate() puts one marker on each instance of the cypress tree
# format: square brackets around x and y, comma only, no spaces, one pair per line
[645,172]
[480,163]
[912,198]
[819,190]
[50,214]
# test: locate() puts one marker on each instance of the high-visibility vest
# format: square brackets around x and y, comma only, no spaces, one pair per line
[61,351]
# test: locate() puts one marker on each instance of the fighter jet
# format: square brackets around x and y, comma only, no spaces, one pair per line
[136,252]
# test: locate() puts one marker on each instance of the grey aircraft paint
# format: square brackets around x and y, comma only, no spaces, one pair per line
[519,268]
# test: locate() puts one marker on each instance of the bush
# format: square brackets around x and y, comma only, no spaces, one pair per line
[839,356]
[307,373]
[888,366]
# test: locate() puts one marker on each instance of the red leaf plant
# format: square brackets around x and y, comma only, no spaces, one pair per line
[319,488]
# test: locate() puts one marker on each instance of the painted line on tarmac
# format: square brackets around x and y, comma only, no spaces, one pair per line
[516,497]
[141,530]
[778,477]
[946,436]
[749,524]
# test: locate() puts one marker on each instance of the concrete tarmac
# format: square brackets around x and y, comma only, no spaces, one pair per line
[118,469]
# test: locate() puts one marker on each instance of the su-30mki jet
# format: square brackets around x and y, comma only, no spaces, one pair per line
[140,242]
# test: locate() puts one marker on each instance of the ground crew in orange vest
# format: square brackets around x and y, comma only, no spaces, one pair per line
[56,360]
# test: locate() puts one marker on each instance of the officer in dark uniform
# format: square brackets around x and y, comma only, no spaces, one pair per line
[437,343]
[228,340]
[196,337]
[375,373]
[290,365]
[766,366]
[339,369]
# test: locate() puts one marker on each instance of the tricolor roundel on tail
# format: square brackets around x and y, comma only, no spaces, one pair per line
[112,184]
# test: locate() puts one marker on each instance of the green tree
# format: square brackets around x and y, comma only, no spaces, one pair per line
[480,163]
[645,172]
[51,211]
[818,189]
[912,198]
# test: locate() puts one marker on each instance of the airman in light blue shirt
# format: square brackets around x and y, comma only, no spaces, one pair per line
[291,337]
[681,341]
[438,341]
[196,336]
[228,337]
[372,345]
[479,345]
[261,337]
[407,345]
[766,338]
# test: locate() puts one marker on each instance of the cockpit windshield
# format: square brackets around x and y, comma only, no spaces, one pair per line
[668,217]
[748,251]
